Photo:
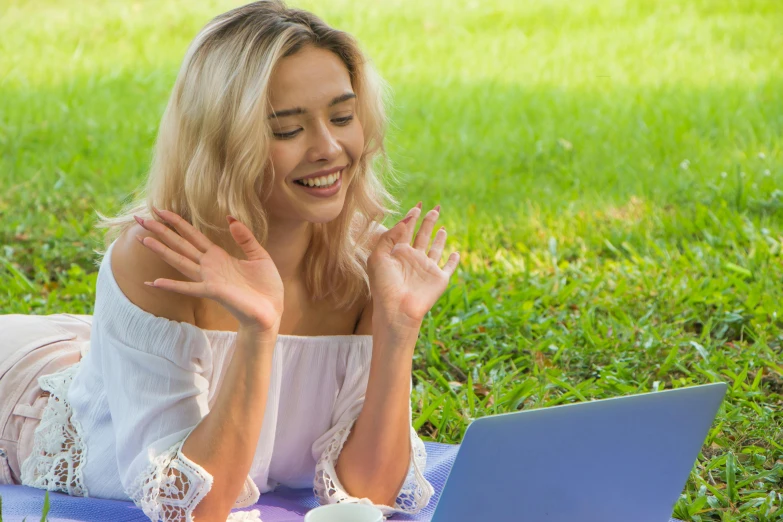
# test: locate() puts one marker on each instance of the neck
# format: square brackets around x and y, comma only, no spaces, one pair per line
[287,242]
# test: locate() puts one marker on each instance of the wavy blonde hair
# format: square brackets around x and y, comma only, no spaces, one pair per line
[211,157]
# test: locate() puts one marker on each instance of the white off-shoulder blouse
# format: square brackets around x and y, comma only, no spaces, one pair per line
[116,421]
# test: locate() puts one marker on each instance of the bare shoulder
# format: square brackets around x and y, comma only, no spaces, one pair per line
[133,263]
[364,324]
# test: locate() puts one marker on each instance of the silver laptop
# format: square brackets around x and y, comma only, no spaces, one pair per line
[624,459]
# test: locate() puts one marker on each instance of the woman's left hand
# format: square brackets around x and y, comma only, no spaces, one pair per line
[405,279]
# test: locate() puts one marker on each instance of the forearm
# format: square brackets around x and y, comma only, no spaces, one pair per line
[375,458]
[225,440]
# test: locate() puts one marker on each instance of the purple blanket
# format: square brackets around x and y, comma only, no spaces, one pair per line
[281,505]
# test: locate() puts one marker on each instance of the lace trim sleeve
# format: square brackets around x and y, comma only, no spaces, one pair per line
[59,452]
[172,485]
[414,495]
[245,516]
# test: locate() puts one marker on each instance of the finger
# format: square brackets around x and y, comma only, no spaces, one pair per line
[437,245]
[392,236]
[451,264]
[410,225]
[181,287]
[246,240]
[171,239]
[185,229]
[187,267]
[424,234]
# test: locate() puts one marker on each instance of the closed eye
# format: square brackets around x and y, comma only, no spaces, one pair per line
[288,135]
[343,121]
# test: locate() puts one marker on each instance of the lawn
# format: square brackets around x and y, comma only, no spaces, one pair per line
[610,170]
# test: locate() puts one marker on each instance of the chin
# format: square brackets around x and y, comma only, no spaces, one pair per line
[325,217]
[328,210]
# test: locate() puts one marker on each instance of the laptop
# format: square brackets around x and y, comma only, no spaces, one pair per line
[624,459]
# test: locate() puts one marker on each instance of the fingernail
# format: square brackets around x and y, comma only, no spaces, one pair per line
[407,219]
[418,204]
[141,239]
[231,219]
[148,283]
[437,208]
[156,211]
[139,220]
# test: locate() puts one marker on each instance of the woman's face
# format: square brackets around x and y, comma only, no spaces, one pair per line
[315,129]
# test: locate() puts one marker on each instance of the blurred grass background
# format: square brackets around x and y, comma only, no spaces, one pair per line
[610,170]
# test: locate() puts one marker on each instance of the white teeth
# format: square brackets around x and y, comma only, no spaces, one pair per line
[323,181]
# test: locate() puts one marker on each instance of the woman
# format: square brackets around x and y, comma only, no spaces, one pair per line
[216,368]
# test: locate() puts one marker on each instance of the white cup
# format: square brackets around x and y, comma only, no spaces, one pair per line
[344,513]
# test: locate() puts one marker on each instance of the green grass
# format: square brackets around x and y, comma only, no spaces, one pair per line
[611,171]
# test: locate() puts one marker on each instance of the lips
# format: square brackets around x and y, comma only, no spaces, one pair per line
[323,192]
[325,172]
[325,181]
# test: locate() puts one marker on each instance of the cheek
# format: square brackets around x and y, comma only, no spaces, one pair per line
[284,157]
[355,142]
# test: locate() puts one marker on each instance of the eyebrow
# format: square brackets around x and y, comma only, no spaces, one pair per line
[300,110]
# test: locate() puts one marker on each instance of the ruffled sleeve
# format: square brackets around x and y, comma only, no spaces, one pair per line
[153,371]
[416,490]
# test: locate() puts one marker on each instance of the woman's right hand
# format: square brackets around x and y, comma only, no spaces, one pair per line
[251,290]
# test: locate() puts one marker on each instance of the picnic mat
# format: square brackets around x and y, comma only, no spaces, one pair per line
[280,505]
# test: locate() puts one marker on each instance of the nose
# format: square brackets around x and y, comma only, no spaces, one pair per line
[324,146]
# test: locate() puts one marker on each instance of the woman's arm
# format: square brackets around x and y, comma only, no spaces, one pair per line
[225,440]
[405,282]
[375,458]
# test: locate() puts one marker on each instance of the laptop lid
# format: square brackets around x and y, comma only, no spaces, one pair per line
[613,460]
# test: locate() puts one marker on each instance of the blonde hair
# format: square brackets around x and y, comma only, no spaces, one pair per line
[211,157]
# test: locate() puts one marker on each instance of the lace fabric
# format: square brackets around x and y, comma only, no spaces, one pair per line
[172,485]
[415,493]
[58,446]
[245,516]
[169,489]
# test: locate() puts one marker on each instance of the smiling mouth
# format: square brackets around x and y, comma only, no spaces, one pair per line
[321,181]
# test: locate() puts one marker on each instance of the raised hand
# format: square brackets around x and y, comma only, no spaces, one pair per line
[251,290]
[405,279]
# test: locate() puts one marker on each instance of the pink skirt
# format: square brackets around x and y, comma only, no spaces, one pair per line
[31,346]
